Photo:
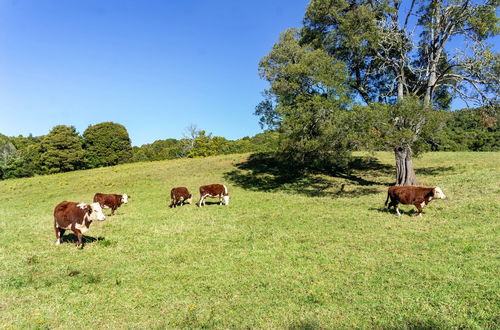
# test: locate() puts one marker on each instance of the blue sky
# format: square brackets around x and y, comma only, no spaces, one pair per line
[154,66]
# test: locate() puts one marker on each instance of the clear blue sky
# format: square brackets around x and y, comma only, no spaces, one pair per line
[153,66]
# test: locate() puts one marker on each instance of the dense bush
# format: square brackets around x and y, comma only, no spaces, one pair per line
[469,130]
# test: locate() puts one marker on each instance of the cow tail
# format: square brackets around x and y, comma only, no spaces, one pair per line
[387,200]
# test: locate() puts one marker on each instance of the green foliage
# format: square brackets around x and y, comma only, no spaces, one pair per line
[107,144]
[406,123]
[204,145]
[307,100]
[470,129]
[61,150]
[158,150]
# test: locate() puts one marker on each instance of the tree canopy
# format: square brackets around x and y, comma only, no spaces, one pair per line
[107,144]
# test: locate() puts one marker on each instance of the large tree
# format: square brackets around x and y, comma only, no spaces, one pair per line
[306,102]
[61,150]
[397,49]
[107,144]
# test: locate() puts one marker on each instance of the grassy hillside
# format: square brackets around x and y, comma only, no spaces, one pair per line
[289,251]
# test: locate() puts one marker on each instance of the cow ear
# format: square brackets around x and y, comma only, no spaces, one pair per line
[88,209]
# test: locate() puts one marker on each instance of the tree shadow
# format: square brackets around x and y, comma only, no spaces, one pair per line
[72,238]
[265,172]
[435,170]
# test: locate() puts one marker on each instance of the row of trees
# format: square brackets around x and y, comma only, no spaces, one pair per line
[377,74]
[63,150]
[107,144]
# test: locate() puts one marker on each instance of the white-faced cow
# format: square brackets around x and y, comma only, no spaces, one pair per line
[179,196]
[111,201]
[77,217]
[418,196]
[215,191]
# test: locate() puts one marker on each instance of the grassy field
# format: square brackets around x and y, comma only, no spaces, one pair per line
[290,251]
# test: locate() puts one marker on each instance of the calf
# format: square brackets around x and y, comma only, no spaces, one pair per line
[180,195]
[77,217]
[418,196]
[111,201]
[216,191]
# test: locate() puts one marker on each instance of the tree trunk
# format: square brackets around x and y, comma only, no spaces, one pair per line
[405,175]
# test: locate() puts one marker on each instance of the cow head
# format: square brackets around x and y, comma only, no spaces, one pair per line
[125,198]
[438,193]
[226,200]
[94,212]
[189,200]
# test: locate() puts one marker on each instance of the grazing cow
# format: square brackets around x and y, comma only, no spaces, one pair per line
[216,191]
[180,195]
[77,217]
[111,201]
[418,196]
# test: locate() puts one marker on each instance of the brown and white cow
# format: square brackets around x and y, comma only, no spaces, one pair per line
[111,201]
[180,195]
[418,196]
[77,217]
[215,191]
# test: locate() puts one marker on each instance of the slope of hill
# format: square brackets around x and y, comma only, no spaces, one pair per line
[289,251]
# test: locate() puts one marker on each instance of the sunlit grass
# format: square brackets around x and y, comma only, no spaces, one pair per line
[286,253]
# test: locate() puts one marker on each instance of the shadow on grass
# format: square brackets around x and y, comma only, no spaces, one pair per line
[419,325]
[436,170]
[304,325]
[72,238]
[264,172]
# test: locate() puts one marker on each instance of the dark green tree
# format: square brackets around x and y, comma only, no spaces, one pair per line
[106,144]
[61,150]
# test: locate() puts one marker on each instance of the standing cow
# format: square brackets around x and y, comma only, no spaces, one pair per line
[180,195]
[111,201]
[77,217]
[418,196]
[216,191]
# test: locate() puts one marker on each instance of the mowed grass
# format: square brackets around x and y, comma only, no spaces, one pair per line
[298,252]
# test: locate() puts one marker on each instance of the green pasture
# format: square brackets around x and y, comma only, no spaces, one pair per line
[290,251]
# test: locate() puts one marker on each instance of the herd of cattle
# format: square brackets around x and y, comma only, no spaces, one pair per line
[79,216]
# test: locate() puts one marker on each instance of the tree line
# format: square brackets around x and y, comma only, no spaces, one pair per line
[64,149]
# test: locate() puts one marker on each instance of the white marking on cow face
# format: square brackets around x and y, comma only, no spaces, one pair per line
[124,198]
[81,205]
[226,200]
[438,193]
[96,212]
[189,200]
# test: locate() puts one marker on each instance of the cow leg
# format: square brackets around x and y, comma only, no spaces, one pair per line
[59,234]
[397,209]
[113,210]
[79,236]
[420,208]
